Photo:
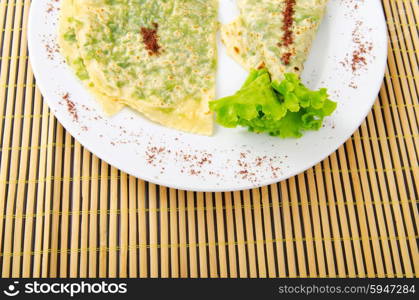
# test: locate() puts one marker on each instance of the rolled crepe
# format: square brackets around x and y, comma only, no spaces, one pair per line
[274,34]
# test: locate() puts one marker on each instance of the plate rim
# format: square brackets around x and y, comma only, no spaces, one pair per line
[240,187]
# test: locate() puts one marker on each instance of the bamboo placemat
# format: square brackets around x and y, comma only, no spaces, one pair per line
[65,213]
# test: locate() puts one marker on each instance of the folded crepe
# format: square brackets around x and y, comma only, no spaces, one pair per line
[274,34]
[157,57]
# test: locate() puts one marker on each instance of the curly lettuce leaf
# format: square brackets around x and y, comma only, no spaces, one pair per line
[254,97]
[284,109]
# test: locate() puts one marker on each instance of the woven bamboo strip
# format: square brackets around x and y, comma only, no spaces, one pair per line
[154,257]
[403,94]
[142,225]
[393,189]
[400,177]
[133,229]
[232,250]
[3,9]
[410,40]
[257,215]
[334,222]
[267,219]
[314,204]
[48,200]
[412,17]
[85,199]
[55,225]
[297,229]
[174,238]
[278,230]
[402,158]
[348,157]
[30,205]
[8,168]
[23,161]
[123,227]
[383,192]
[367,200]
[182,235]
[240,233]
[113,223]
[365,215]
[192,241]
[65,209]
[287,225]
[103,221]
[412,146]
[93,219]
[7,38]
[389,180]
[306,225]
[412,13]
[343,222]
[212,251]
[324,221]
[164,233]
[202,249]
[75,218]
[366,184]
[359,256]
[40,198]
[250,238]
[153,231]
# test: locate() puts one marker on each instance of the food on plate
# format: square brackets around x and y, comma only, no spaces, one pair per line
[157,57]
[71,51]
[274,34]
[273,38]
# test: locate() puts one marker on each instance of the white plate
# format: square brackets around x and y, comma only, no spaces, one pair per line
[231,159]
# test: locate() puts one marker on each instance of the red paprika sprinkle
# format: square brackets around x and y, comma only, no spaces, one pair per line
[151,39]
[286,58]
[288,37]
